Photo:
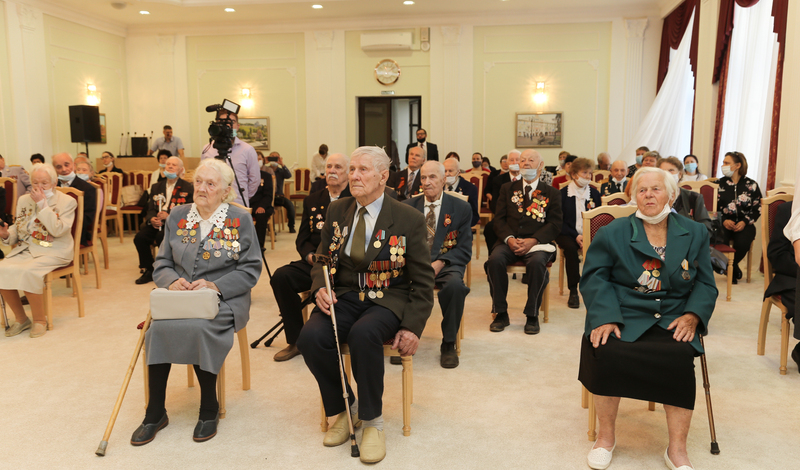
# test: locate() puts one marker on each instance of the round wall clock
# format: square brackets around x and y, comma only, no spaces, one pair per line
[387,72]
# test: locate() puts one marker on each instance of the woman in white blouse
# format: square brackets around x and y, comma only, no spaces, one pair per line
[691,173]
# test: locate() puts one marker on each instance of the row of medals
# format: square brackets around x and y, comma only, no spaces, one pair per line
[382,277]
[231,242]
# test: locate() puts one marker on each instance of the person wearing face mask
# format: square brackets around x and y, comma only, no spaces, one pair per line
[739,202]
[527,222]
[65,168]
[158,174]
[618,180]
[639,159]
[567,176]
[562,156]
[497,183]
[167,194]
[649,291]
[577,197]
[429,150]
[455,183]
[690,171]
[244,162]
[688,203]
[43,238]
[109,164]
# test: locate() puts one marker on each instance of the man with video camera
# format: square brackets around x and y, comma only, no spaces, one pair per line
[243,158]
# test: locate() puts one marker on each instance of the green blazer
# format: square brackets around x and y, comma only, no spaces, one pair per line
[613,267]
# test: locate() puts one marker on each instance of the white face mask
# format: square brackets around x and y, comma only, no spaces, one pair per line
[83,176]
[450,180]
[529,174]
[620,181]
[726,170]
[676,177]
[581,182]
[108,165]
[162,165]
[67,178]
[514,167]
[48,193]
[654,219]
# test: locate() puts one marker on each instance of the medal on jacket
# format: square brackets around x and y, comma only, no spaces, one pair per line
[381,235]
[393,247]
[447,220]
[362,284]
[685,267]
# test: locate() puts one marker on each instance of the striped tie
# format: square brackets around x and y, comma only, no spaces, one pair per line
[431,221]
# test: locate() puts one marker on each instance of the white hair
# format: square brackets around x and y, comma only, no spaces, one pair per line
[380,161]
[438,165]
[48,168]
[514,151]
[345,157]
[225,173]
[669,182]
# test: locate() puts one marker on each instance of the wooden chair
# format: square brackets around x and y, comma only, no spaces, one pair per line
[600,176]
[595,185]
[708,189]
[114,200]
[564,185]
[769,207]
[140,178]
[468,271]
[188,176]
[72,270]
[10,185]
[616,199]
[302,186]
[479,179]
[519,268]
[102,227]
[271,222]
[91,248]
[781,190]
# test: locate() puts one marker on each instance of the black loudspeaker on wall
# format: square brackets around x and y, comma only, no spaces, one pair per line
[84,123]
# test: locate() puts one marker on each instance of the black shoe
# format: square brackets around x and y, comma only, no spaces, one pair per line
[734,280]
[292,230]
[574,301]
[449,358]
[500,322]
[532,326]
[525,279]
[737,273]
[146,277]
[205,430]
[147,432]
[396,360]
[796,356]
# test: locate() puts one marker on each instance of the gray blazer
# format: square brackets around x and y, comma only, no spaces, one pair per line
[234,278]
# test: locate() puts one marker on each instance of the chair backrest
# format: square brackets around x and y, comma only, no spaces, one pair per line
[463,197]
[708,189]
[248,209]
[781,190]
[595,185]
[11,195]
[479,182]
[188,175]
[139,177]
[564,184]
[302,180]
[77,224]
[600,176]
[616,199]
[594,219]
[769,207]
[114,186]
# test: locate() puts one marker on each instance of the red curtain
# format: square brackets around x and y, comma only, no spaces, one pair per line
[672,32]
[779,13]
[724,29]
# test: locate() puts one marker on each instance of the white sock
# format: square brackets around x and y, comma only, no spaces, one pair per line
[376,423]
[354,408]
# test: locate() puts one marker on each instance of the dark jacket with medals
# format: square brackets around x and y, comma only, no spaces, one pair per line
[453,241]
[182,193]
[541,220]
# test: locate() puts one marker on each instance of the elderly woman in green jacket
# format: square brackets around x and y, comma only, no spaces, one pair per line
[646,302]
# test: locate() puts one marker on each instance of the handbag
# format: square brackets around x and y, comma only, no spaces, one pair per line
[168,304]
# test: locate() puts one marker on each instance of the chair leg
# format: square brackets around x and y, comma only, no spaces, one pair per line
[477,240]
[730,275]
[85,259]
[221,391]
[244,351]
[104,242]
[592,418]
[323,422]
[120,227]
[96,267]
[78,288]
[189,376]
[272,231]
[546,303]
[146,377]
[48,301]
[651,405]
[407,370]
[784,343]
[458,337]
[584,398]
[766,306]
[561,271]
[749,262]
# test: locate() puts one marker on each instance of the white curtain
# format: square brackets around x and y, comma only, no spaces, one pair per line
[750,89]
[667,127]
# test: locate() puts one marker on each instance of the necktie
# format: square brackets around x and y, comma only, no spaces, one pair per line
[430,220]
[359,234]
[411,178]
[527,195]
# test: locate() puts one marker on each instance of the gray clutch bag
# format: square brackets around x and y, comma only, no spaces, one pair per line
[168,304]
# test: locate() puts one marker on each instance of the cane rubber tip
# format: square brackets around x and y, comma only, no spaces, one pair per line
[101,449]
[715,448]
[354,451]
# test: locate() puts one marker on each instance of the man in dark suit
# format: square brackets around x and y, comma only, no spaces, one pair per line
[450,239]
[429,150]
[497,182]
[65,168]
[261,203]
[407,182]
[376,249]
[454,182]
[166,195]
[528,219]
[780,253]
[290,280]
[618,180]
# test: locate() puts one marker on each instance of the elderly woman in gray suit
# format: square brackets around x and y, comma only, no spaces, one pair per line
[213,245]
[44,241]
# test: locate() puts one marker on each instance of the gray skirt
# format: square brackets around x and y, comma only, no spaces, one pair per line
[202,342]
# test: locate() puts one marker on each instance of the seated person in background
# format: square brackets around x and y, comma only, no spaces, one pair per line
[261,203]
[640,338]
[618,180]
[454,182]
[453,155]
[318,163]
[604,161]
[688,203]
[158,174]
[37,158]
[639,159]
[42,233]
[528,221]
[449,222]
[559,180]
[477,162]
[691,173]
[562,158]
[62,162]
[649,160]
[275,165]
[230,270]
[18,173]
[165,196]
[290,280]
[577,197]
[407,182]
[109,164]
[486,165]
[739,200]
[498,181]
[781,255]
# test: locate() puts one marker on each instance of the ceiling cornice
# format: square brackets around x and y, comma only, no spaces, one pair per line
[83,18]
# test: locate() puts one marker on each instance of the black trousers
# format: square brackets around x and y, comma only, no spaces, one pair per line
[146,237]
[290,213]
[287,282]
[489,235]
[741,242]
[262,223]
[571,262]
[452,293]
[535,269]
[364,326]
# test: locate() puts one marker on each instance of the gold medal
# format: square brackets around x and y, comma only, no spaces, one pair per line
[216,229]
[685,275]
[227,231]
[206,255]
[393,250]
[401,251]
[333,270]
[235,231]
[361,296]
[179,232]
[192,232]
[377,244]
[379,294]
[393,258]
[373,277]
[656,273]
[520,210]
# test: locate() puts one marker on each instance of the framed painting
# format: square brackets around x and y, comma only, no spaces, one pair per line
[255,131]
[539,130]
[103,138]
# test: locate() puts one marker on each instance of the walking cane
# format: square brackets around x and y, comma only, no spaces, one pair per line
[101,449]
[353,446]
[707,387]
[254,344]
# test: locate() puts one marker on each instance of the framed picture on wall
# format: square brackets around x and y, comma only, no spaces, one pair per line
[103,128]
[539,130]
[255,131]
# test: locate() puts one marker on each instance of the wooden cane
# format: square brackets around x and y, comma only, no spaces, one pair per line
[707,387]
[353,446]
[101,449]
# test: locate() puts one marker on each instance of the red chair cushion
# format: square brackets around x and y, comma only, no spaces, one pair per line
[132,208]
[297,196]
[724,248]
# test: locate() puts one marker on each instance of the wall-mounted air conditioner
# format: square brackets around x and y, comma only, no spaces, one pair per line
[386,41]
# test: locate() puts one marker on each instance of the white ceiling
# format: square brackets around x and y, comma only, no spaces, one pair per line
[189,13]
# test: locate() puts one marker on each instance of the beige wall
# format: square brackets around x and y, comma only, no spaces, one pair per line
[77,55]
[271,65]
[8,144]
[573,60]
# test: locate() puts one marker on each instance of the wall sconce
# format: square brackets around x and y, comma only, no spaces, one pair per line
[247,99]
[540,97]
[92,95]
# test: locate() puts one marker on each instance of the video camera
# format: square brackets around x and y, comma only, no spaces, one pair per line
[221,129]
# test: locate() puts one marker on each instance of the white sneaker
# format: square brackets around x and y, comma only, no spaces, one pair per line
[600,458]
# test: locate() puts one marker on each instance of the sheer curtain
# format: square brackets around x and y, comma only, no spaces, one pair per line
[667,127]
[750,89]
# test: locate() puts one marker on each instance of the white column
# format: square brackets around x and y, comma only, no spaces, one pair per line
[787,168]
[325,94]
[616,92]
[634,30]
